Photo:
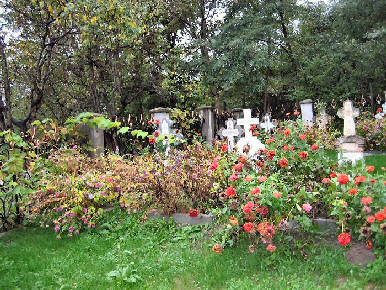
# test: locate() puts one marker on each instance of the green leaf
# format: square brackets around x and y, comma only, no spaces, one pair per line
[123,130]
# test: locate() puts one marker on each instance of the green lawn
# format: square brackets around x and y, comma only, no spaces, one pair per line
[157,255]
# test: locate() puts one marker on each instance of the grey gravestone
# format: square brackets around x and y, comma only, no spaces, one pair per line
[160,114]
[237,113]
[323,119]
[208,126]
[348,113]
[307,112]
[95,136]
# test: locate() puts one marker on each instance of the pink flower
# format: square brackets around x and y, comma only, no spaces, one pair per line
[248,207]
[307,207]
[277,194]
[271,248]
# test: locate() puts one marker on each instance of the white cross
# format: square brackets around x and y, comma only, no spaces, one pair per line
[348,113]
[165,127]
[267,125]
[230,132]
[247,122]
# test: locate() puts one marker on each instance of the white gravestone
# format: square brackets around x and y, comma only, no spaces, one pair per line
[382,114]
[307,112]
[267,125]
[249,140]
[323,119]
[348,113]
[230,132]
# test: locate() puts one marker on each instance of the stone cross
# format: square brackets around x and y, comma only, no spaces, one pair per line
[165,126]
[247,122]
[230,132]
[323,119]
[348,113]
[267,125]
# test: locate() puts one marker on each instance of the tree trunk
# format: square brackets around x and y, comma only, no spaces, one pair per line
[7,119]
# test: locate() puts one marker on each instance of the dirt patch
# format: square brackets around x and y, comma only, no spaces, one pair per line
[360,256]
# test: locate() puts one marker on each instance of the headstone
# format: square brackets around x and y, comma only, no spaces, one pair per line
[348,113]
[96,137]
[381,114]
[350,144]
[249,140]
[237,113]
[323,119]
[208,123]
[160,114]
[230,132]
[267,125]
[307,112]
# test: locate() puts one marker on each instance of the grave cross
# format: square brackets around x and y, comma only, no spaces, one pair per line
[348,113]
[165,126]
[247,122]
[230,132]
[267,125]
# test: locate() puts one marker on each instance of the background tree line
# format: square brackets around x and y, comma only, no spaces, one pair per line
[120,57]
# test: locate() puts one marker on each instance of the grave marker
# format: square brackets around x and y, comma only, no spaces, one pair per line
[230,132]
[348,113]
[267,125]
[307,112]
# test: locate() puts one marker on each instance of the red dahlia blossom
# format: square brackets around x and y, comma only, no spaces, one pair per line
[248,207]
[256,190]
[326,180]
[302,137]
[332,175]
[381,216]
[230,192]
[343,178]
[353,191]
[370,168]
[156,134]
[271,248]
[314,147]
[370,219]
[151,140]
[238,166]
[271,154]
[224,147]
[262,178]
[283,162]
[360,179]
[194,213]
[366,200]
[248,227]
[303,155]
[369,244]
[344,239]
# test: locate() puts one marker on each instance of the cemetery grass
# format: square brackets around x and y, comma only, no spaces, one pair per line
[131,254]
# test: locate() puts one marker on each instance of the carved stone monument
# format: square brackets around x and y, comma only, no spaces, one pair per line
[208,123]
[96,137]
[307,112]
[322,119]
[230,132]
[350,144]
[267,125]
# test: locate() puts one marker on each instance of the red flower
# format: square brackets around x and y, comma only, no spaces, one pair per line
[360,179]
[291,147]
[379,110]
[238,166]
[326,180]
[224,147]
[149,122]
[343,178]
[332,175]
[283,162]
[248,207]
[271,248]
[372,180]
[287,132]
[255,133]
[269,141]
[262,178]
[256,190]
[194,213]
[369,244]
[344,239]
[156,133]
[277,194]
[263,210]
[271,154]
[366,200]
[230,192]
[353,191]
[370,168]
[157,121]
[285,147]
[314,147]
[248,227]
[370,219]
[381,216]
[214,165]
[302,137]
[296,113]
[384,183]
[151,140]
[303,155]
[252,127]
[248,178]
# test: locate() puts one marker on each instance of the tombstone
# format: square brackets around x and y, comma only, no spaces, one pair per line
[208,123]
[96,136]
[160,114]
[307,112]
[237,113]
[230,132]
[267,125]
[323,119]
[382,114]
[253,143]
[348,113]
[350,144]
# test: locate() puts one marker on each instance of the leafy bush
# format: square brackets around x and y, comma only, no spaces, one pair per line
[374,130]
